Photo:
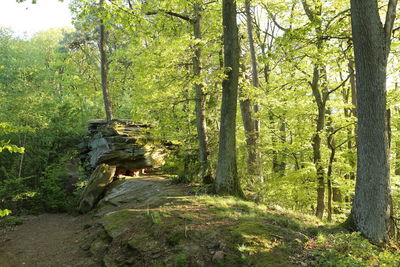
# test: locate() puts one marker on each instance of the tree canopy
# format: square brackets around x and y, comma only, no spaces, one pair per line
[268,100]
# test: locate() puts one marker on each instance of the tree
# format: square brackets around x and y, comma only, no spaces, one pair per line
[251,125]
[200,101]
[227,181]
[104,66]
[195,19]
[371,211]
[321,95]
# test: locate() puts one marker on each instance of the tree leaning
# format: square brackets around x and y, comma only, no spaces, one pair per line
[371,211]
[227,181]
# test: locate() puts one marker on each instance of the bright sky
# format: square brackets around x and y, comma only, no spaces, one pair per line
[30,18]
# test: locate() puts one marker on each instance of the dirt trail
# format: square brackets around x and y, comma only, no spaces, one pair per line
[47,240]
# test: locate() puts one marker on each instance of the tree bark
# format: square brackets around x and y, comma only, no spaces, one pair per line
[371,211]
[227,181]
[316,142]
[321,98]
[332,147]
[248,110]
[200,102]
[254,68]
[251,136]
[104,67]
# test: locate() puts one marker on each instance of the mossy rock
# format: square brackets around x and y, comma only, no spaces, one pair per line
[145,243]
[98,182]
[119,222]
[174,238]
[98,246]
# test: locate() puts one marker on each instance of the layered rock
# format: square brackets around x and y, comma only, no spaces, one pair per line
[123,144]
[113,150]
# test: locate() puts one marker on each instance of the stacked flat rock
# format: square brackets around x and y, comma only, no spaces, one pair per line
[123,144]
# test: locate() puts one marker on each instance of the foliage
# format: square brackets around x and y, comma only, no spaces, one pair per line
[349,250]
[4,213]
[53,195]
[10,221]
[50,85]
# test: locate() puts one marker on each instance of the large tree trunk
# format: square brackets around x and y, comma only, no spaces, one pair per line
[371,211]
[200,102]
[104,67]
[227,181]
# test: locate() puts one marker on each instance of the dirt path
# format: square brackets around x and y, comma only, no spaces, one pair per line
[47,240]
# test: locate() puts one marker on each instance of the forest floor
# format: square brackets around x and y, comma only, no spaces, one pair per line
[47,240]
[151,222]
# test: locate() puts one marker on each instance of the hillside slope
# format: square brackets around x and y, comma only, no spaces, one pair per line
[148,221]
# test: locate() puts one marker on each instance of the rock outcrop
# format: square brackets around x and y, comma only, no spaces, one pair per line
[113,150]
[122,143]
[98,182]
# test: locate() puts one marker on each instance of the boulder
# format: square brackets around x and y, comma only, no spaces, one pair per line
[98,182]
[141,190]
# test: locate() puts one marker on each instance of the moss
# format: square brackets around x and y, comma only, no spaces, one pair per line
[246,233]
[118,222]
[256,245]
[175,238]
[181,260]
[144,243]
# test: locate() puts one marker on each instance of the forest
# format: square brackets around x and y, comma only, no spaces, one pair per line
[280,112]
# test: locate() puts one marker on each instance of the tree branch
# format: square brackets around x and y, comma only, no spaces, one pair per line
[308,11]
[339,86]
[171,13]
[336,16]
[389,22]
[273,18]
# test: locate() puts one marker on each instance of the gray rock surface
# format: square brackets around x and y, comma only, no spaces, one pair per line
[98,182]
[134,190]
[122,143]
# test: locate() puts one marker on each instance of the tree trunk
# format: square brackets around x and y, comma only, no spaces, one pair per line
[251,125]
[332,147]
[227,181]
[200,101]
[316,142]
[251,136]
[254,68]
[397,163]
[320,99]
[354,111]
[353,86]
[371,211]
[104,67]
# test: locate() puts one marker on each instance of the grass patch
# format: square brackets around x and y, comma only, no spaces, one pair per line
[348,250]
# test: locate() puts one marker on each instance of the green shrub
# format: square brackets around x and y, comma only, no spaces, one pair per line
[5,212]
[10,221]
[53,194]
